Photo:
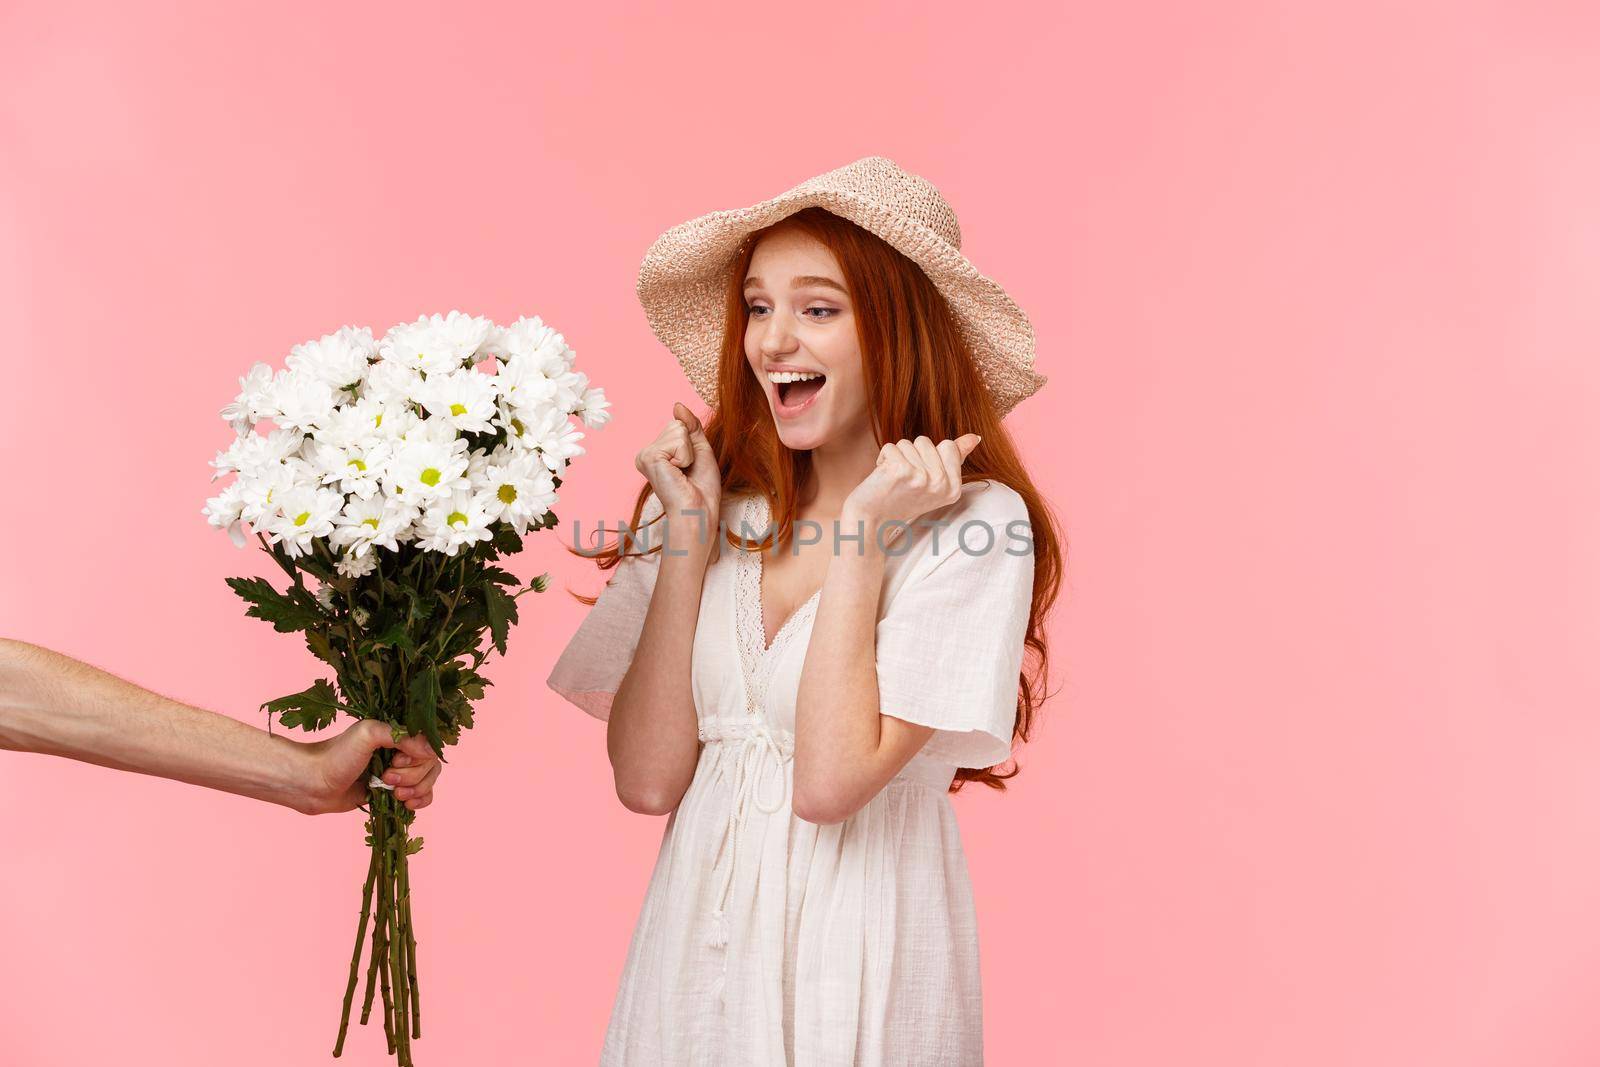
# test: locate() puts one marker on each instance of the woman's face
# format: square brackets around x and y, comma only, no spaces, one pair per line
[802,320]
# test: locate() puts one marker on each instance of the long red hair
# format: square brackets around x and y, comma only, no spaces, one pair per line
[921,379]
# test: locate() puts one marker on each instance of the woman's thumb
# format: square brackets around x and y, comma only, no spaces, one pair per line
[681,412]
[697,434]
[966,443]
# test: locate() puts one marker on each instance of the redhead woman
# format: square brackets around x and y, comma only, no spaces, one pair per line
[817,631]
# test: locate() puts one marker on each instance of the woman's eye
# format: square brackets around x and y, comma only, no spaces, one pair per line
[827,313]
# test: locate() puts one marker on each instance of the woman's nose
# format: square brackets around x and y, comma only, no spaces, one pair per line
[777,335]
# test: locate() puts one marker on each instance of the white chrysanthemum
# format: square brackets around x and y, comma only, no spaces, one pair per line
[354,422]
[301,515]
[391,382]
[359,338]
[356,468]
[396,420]
[554,436]
[245,411]
[595,408]
[453,522]
[223,511]
[530,338]
[355,566]
[379,520]
[513,425]
[518,490]
[336,359]
[570,388]
[425,466]
[352,443]
[479,462]
[435,344]
[469,333]
[434,430]
[264,487]
[523,384]
[253,452]
[464,398]
[298,401]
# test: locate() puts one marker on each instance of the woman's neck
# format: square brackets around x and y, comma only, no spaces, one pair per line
[837,467]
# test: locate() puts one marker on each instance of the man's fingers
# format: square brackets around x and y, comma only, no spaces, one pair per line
[416,748]
[415,758]
[408,776]
[420,795]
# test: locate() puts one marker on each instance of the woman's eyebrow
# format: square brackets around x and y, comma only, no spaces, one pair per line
[804,279]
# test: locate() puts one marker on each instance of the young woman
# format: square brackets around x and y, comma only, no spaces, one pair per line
[804,714]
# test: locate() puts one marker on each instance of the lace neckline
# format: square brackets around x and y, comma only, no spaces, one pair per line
[750,623]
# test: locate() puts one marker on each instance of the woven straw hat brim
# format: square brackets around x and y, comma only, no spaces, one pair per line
[683,279]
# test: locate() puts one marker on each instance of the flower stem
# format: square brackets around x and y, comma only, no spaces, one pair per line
[411,947]
[393,857]
[372,967]
[385,907]
[355,960]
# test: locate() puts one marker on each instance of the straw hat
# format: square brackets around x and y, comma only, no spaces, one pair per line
[682,281]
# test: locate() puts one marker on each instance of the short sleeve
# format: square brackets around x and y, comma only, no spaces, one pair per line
[591,667]
[950,646]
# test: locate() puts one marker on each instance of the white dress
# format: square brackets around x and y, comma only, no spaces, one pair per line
[765,940]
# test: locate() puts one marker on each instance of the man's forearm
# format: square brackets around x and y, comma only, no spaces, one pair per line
[60,706]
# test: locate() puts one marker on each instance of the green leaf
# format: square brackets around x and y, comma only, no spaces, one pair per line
[395,636]
[418,608]
[310,709]
[287,613]
[422,708]
[321,647]
[500,576]
[316,568]
[413,846]
[506,539]
[502,611]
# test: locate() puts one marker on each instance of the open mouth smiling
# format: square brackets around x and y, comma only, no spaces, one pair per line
[795,391]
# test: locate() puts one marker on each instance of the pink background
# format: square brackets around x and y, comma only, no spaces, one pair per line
[1316,288]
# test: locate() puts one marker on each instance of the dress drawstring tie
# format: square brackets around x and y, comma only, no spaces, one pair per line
[757,753]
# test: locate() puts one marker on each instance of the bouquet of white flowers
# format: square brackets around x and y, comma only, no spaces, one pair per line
[397,472]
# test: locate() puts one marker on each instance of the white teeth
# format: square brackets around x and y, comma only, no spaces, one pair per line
[779,377]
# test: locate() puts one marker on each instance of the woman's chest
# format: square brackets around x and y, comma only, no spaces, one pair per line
[741,669]
[734,674]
